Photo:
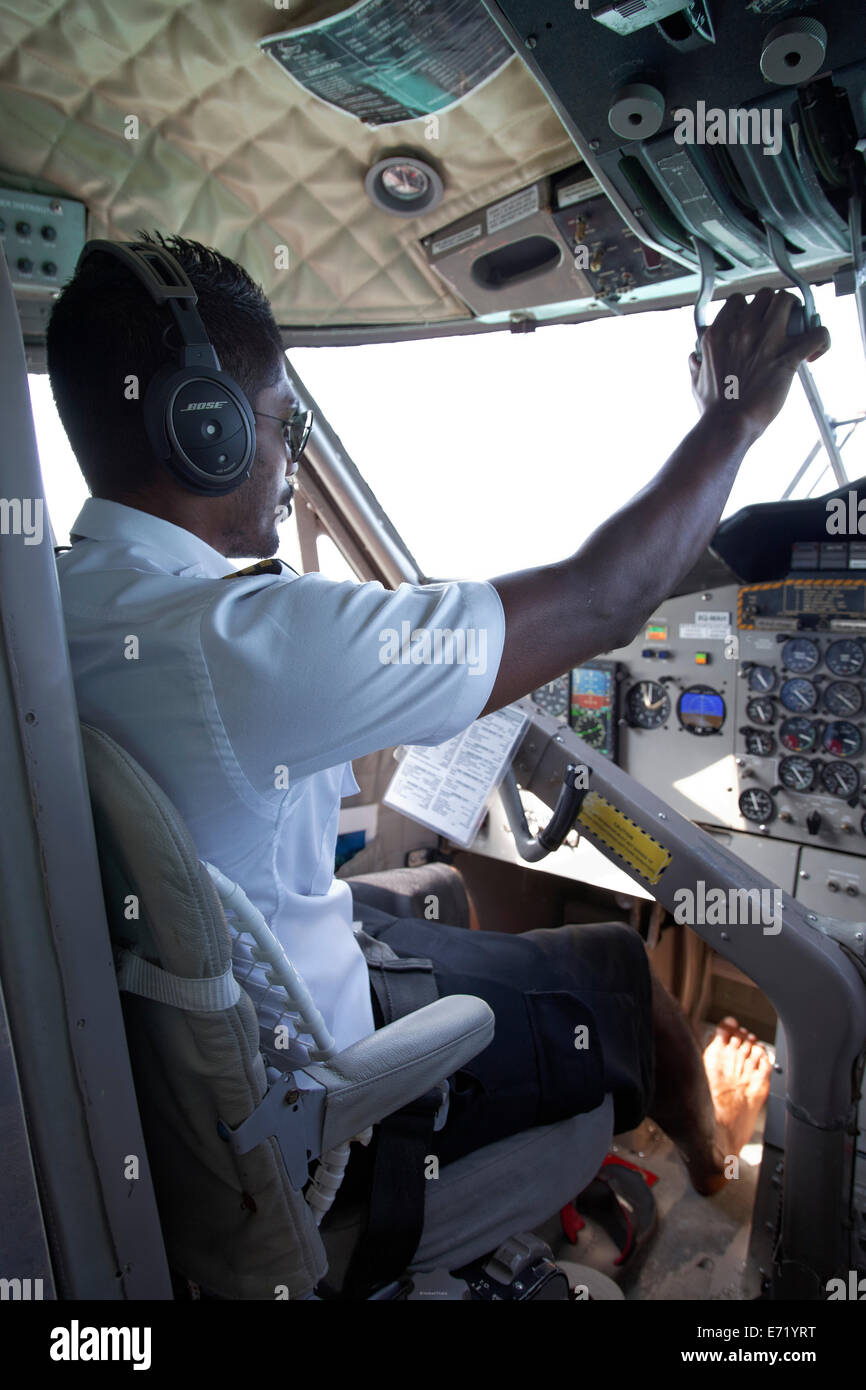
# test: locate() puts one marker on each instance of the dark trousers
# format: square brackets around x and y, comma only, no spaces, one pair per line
[573,1023]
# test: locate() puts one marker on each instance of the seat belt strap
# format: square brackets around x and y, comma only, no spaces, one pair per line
[397,1194]
[209,995]
[403,1141]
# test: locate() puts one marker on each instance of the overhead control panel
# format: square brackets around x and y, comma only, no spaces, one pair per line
[559,241]
[42,236]
[712,124]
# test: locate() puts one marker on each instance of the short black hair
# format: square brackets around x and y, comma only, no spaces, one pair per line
[105,328]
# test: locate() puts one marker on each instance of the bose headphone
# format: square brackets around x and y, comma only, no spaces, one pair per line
[198,420]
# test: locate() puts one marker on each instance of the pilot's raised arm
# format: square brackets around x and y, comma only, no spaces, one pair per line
[562,614]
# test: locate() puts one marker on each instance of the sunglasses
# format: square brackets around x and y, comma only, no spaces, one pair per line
[296,430]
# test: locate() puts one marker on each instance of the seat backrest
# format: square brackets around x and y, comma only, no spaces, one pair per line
[231,1223]
[83,1227]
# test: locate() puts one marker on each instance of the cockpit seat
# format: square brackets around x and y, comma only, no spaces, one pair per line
[237,1224]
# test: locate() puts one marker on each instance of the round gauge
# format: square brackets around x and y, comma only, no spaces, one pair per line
[647,705]
[552,698]
[762,679]
[761,711]
[405,181]
[591,727]
[845,657]
[798,695]
[840,779]
[842,739]
[843,697]
[759,742]
[798,735]
[757,805]
[405,185]
[701,710]
[801,654]
[796,773]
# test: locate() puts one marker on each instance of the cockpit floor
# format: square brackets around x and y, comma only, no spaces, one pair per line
[699,1248]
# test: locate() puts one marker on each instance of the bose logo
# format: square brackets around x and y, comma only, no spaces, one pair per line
[203,405]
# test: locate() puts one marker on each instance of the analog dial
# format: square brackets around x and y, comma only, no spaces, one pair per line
[801,654]
[552,698]
[759,742]
[845,657]
[797,773]
[798,695]
[842,739]
[762,679]
[591,727]
[761,710]
[757,805]
[840,779]
[647,705]
[798,735]
[843,697]
[405,181]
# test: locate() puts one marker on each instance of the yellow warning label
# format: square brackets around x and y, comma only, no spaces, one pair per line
[627,840]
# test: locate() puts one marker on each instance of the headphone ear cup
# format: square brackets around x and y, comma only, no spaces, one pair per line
[201,425]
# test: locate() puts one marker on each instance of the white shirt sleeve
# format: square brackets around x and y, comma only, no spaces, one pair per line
[310,673]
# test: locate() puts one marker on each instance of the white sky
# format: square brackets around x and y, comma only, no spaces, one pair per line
[500,451]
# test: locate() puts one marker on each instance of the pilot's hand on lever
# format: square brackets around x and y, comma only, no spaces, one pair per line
[598,599]
[748,360]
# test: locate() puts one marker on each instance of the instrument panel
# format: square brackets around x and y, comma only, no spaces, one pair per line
[586,698]
[745,708]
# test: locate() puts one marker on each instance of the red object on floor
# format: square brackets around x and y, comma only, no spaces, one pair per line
[650,1178]
[571,1222]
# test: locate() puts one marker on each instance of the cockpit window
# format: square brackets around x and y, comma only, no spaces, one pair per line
[474,443]
[471,441]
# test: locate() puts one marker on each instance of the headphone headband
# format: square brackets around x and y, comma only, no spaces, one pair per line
[167,283]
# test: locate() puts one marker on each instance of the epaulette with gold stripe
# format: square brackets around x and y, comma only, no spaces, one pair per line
[260,567]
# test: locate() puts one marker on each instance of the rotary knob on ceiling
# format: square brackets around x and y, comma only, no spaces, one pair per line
[636,112]
[794,51]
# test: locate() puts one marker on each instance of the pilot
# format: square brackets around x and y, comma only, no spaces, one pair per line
[247,697]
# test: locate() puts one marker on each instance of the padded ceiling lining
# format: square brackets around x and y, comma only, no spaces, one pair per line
[232,152]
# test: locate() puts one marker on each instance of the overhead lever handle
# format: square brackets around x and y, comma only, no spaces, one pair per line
[802,317]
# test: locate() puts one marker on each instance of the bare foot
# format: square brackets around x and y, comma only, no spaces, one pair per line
[738,1073]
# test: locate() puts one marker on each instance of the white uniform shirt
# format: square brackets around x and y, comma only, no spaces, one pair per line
[245,698]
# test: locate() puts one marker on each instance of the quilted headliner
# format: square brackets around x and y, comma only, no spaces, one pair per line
[234,153]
